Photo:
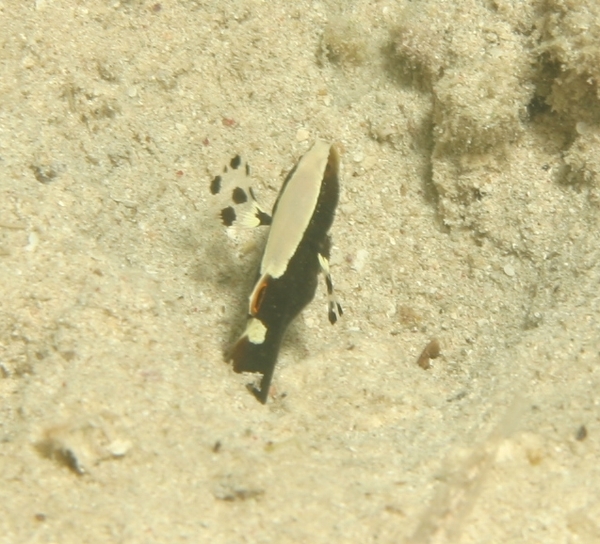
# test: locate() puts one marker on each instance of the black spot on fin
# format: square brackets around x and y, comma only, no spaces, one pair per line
[236,162]
[239,196]
[228,216]
[215,185]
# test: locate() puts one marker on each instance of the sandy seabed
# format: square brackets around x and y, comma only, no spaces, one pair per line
[470,140]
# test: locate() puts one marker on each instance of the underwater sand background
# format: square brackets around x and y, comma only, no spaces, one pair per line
[470,142]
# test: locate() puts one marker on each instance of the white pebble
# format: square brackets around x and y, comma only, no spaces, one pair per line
[32,241]
[28,62]
[509,270]
[302,135]
[119,447]
[360,259]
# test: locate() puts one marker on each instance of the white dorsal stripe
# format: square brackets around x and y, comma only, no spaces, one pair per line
[294,210]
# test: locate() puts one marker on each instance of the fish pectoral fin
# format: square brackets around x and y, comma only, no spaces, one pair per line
[334,308]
